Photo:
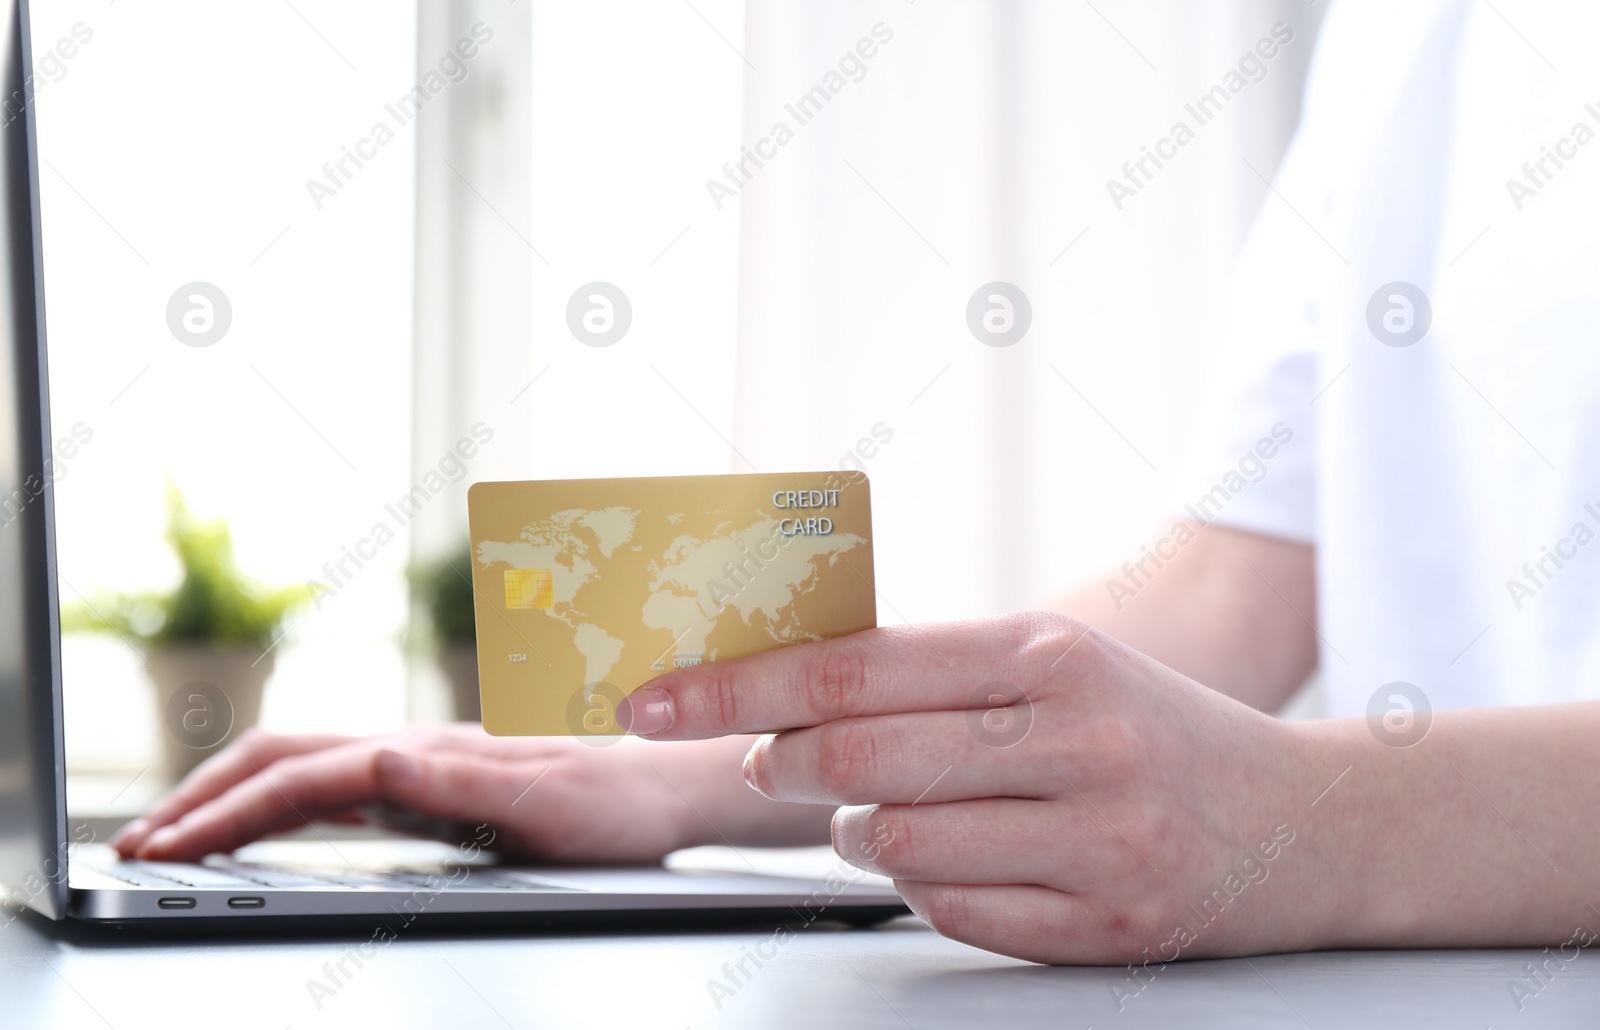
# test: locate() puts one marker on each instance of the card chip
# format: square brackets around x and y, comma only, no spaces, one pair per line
[529,588]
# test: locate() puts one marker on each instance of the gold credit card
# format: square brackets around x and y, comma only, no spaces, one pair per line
[587,588]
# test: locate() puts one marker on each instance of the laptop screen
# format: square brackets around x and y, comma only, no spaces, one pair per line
[32,796]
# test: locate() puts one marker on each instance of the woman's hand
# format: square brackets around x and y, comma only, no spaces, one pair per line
[551,799]
[1032,786]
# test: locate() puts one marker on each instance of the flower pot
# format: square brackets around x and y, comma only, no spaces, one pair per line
[205,697]
[459,663]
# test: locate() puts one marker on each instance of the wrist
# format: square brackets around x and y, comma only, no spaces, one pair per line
[1334,892]
[1366,835]
[711,804]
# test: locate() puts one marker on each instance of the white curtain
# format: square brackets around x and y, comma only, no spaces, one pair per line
[974,145]
[474,273]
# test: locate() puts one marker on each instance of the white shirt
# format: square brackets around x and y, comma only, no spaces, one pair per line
[1436,479]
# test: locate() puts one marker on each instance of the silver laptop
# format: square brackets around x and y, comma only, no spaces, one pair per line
[47,866]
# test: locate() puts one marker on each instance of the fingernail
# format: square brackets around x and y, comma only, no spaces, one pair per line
[750,768]
[129,832]
[158,841]
[399,770]
[645,711]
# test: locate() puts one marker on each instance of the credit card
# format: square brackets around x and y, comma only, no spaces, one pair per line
[586,589]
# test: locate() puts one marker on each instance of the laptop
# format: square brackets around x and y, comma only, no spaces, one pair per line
[52,868]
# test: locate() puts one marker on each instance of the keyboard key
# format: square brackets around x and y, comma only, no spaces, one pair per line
[189,875]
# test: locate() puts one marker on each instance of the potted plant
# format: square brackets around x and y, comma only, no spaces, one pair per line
[444,587]
[208,644]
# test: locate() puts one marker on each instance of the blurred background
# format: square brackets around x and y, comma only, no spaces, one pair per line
[397,203]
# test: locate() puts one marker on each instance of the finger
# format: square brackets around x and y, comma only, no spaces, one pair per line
[916,757]
[875,672]
[993,841]
[295,789]
[253,750]
[256,750]
[1029,922]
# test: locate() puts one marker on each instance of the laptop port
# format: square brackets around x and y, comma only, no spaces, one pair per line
[175,903]
[247,902]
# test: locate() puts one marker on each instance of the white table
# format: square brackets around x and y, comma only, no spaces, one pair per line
[902,974]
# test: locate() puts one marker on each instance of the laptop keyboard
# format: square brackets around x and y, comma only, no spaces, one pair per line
[227,874]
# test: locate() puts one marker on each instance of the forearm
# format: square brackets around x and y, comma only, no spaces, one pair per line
[1482,834]
[1229,609]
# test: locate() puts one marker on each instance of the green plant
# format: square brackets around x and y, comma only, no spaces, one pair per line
[214,603]
[445,587]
